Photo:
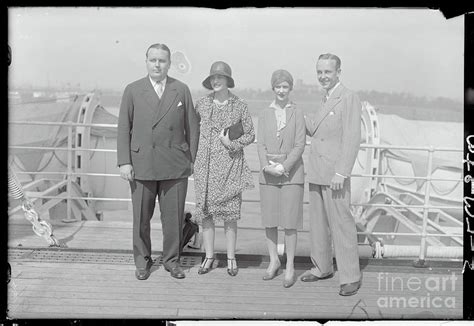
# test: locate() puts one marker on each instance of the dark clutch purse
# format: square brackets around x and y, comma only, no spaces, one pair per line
[235,131]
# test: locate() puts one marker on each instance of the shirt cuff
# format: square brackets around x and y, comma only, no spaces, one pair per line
[344,176]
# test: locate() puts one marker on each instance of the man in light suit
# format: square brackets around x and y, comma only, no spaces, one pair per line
[157,139]
[335,141]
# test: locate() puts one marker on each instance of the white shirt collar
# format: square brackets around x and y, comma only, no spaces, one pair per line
[273,105]
[332,89]
[154,83]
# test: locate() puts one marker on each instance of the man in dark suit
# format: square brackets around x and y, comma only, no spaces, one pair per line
[335,140]
[157,139]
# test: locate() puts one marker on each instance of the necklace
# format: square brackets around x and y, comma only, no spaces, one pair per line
[220,104]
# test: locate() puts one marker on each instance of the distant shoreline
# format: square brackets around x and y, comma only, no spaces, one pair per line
[406,112]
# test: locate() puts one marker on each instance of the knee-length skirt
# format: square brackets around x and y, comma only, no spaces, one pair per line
[282,205]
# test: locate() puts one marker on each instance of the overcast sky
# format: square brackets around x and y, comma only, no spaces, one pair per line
[391,50]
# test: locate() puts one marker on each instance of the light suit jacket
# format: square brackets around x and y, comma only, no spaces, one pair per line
[335,136]
[291,142]
[159,138]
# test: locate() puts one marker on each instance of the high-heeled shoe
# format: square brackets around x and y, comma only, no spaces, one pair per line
[289,283]
[232,268]
[270,276]
[206,265]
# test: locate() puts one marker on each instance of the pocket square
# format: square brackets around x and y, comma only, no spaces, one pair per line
[179,104]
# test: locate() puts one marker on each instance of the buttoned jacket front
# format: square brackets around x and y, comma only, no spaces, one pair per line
[158,137]
[291,142]
[335,136]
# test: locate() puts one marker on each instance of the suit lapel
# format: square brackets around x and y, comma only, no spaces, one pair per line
[167,99]
[150,95]
[332,101]
[270,117]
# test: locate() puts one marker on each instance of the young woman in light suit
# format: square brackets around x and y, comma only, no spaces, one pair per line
[281,141]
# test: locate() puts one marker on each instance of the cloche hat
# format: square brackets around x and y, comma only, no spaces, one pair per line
[219,68]
[280,76]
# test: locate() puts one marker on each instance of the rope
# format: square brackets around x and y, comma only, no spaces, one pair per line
[40,227]
[14,186]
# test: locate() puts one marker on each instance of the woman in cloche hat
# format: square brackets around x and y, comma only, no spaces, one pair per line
[221,172]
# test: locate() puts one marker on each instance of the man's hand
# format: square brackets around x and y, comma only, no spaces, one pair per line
[337,182]
[126,172]
[224,138]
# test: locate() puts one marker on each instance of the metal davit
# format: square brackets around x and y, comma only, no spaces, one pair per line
[397,214]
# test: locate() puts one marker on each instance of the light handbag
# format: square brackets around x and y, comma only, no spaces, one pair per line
[277,158]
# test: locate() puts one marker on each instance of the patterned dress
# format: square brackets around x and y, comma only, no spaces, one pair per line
[220,173]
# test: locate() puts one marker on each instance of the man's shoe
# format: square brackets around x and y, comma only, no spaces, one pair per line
[314,278]
[143,273]
[176,272]
[350,288]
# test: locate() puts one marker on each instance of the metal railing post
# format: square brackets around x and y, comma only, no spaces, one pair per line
[421,262]
[69,218]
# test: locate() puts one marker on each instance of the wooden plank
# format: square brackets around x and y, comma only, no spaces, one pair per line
[70,289]
[243,279]
[315,314]
[220,273]
[115,306]
[211,311]
[130,306]
[113,289]
[78,311]
[294,302]
[330,290]
[328,303]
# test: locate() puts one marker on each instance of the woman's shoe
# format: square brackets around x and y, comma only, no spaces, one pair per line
[232,268]
[270,276]
[206,265]
[289,283]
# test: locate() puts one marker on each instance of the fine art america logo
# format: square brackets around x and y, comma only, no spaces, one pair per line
[416,292]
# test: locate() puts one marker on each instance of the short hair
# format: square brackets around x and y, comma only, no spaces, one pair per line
[329,56]
[159,46]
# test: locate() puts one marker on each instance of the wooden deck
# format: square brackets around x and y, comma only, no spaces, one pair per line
[94,278]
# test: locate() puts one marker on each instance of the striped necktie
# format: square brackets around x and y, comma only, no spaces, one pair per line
[159,89]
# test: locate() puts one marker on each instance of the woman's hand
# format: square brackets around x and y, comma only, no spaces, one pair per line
[278,167]
[274,169]
[224,138]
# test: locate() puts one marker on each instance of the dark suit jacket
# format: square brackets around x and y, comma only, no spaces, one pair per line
[291,142]
[159,138]
[335,136]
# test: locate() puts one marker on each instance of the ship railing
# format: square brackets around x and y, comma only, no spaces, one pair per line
[70,174]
